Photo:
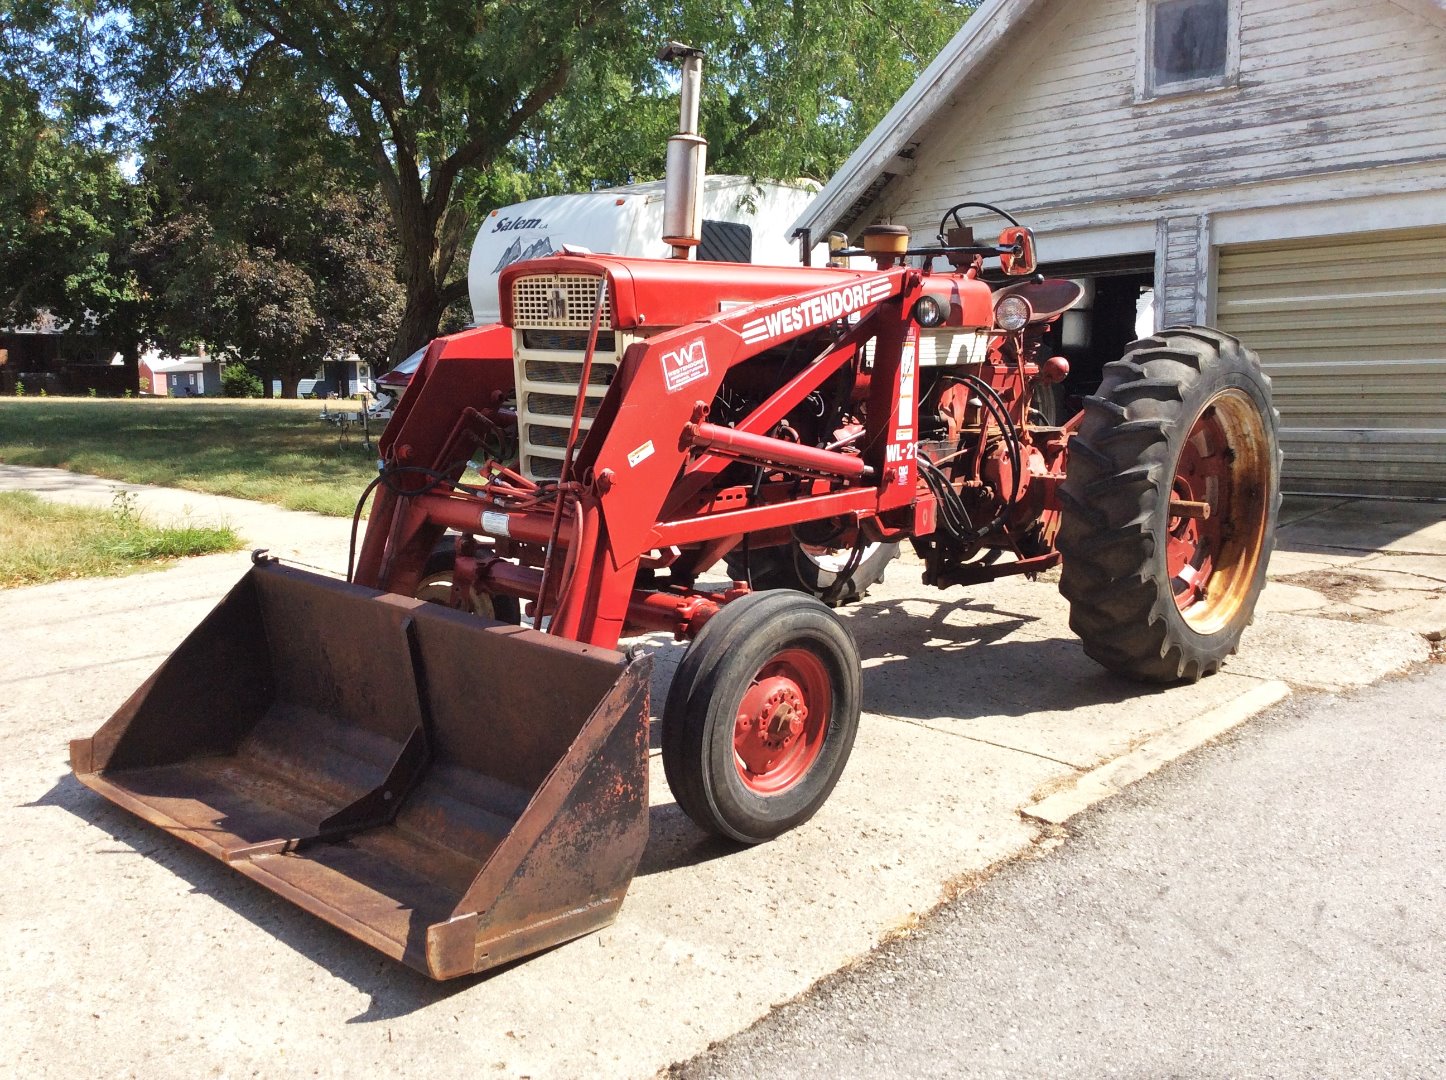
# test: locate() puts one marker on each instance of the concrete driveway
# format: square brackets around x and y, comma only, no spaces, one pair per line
[130,953]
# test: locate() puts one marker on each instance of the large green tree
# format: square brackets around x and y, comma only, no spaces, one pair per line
[267,238]
[457,106]
[68,213]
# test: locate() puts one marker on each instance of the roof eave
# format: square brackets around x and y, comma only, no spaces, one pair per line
[975,42]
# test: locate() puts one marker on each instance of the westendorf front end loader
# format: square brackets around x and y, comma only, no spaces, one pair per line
[458,791]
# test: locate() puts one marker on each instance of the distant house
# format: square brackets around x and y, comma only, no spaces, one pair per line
[50,356]
[183,376]
[1274,167]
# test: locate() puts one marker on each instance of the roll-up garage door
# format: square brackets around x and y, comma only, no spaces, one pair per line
[1353,331]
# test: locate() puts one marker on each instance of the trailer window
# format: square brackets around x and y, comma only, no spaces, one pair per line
[726,241]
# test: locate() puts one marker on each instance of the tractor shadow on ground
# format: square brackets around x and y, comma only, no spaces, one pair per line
[971,659]
[963,661]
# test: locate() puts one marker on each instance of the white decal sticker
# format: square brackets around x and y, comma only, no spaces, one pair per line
[685,365]
[641,454]
[494,524]
[815,312]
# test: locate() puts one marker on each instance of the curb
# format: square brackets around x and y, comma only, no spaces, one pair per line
[1108,780]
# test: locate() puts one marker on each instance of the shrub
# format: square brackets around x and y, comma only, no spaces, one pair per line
[240,381]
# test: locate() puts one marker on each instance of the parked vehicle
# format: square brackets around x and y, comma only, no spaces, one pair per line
[459,792]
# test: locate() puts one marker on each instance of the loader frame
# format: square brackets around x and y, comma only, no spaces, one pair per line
[644,483]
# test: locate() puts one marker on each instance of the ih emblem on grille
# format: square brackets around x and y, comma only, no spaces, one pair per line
[557,303]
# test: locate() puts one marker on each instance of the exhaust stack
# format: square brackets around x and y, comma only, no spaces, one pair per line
[687,158]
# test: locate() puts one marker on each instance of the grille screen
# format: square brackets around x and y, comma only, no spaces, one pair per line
[558,405]
[543,468]
[566,374]
[541,435]
[567,341]
[558,302]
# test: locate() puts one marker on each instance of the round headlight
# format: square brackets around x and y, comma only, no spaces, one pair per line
[1013,313]
[929,312]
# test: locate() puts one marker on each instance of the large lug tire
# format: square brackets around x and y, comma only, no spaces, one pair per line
[1155,594]
[761,716]
[813,569]
[435,587]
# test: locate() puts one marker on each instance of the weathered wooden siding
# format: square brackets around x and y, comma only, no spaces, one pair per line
[1325,87]
[1353,331]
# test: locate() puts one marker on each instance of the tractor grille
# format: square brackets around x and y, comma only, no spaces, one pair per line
[553,314]
[560,405]
[558,302]
[570,371]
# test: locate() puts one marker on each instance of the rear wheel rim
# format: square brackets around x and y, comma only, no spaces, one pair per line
[781,722]
[835,560]
[437,589]
[1223,463]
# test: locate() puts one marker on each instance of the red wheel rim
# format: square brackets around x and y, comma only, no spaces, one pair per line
[781,721]
[1222,476]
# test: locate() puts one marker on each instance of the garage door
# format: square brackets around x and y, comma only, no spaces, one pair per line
[1353,331]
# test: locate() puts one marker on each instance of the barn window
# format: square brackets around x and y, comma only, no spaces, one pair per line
[1188,45]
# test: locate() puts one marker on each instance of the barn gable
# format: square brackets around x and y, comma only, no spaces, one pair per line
[1321,152]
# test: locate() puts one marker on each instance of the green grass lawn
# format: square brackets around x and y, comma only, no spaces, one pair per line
[276,452]
[41,541]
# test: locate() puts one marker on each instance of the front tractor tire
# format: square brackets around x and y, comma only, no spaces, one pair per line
[1169,506]
[761,716]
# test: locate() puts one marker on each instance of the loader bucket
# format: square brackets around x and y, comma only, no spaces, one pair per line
[454,792]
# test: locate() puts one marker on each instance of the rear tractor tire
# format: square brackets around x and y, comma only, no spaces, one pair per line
[814,569]
[761,716]
[435,587]
[1169,506]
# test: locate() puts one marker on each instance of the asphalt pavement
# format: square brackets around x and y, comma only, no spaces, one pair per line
[1273,905]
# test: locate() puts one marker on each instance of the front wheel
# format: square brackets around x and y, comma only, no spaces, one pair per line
[761,716]
[1169,506]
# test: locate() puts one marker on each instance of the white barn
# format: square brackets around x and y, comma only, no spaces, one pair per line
[1276,168]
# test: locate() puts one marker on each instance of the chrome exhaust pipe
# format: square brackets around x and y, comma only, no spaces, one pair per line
[687,158]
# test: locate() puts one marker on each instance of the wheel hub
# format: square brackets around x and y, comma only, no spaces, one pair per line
[780,724]
[1212,552]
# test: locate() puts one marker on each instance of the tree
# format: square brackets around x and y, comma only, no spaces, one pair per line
[279,298]
[456,106]
[68,218]
[268,239]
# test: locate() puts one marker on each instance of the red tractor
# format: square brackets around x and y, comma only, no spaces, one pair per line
[633,430]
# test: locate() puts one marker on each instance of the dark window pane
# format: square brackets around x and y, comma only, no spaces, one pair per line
[1189,40]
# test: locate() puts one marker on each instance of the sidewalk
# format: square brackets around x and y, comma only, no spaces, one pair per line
[979,704]
[317,541]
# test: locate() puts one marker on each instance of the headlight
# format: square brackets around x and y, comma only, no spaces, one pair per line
[930,312]
[1013,313]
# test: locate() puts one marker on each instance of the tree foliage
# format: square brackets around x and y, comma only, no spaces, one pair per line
[266,238]
[68,219]
[458,106]
[450,108]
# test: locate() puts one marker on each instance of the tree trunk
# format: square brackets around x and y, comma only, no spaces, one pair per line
[131,359]
[420,319]
[289,384]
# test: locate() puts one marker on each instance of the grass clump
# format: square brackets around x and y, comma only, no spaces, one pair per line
[42,541]
[267,451]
